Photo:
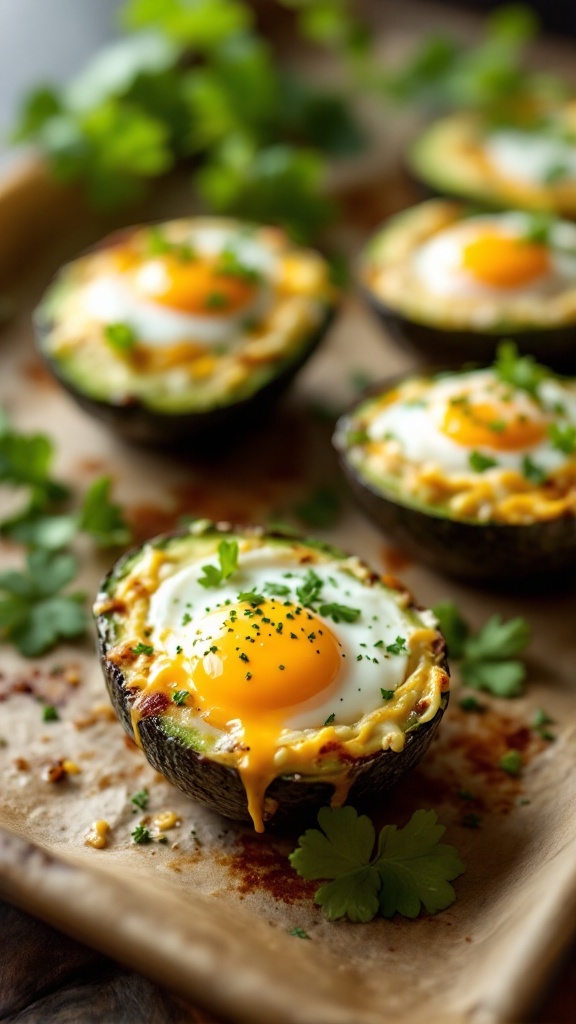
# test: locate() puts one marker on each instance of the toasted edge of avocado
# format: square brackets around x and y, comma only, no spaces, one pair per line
[288,799]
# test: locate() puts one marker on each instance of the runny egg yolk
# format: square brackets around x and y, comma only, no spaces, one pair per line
[194,285]
[503,261]
[491,425]
[255,665]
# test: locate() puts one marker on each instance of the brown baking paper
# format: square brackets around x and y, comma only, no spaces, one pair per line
[209,914]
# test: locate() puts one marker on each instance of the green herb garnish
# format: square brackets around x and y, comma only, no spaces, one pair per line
[180,697]
[309,592]
[340,612]
[140,799]
[251,597]
[321,509]
[487,659]
[276,589]
[387,694]
[141,835]
[228,559]
[50,713]
[511,762]
[330,719]
[143,649]
[398,647]
[534,473]
[410,869]
[121,337]
[299,933]
[563,437]
[522,372]
[34,615]
[479,463]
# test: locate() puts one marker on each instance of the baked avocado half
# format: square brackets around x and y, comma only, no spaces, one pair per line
[265,675]
[529,162]
[472,472]
[451,282]
[184,328]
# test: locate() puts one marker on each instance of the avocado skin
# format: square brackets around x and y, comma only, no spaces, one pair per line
[296,799]
[220,788]
[134,421]
[555,347]
[494,553]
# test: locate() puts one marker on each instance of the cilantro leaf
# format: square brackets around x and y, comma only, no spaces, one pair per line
[33,616]
[42,531]
[101,518]
[415,868]
[25,461]
[522,372]
[488,656]
[411,869]
[340,612]
[228,559]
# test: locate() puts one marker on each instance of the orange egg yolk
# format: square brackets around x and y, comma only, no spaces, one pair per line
[194,286]
[256,666]
[487,425]
[503,261]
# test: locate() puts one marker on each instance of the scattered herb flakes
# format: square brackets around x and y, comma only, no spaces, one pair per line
[387,694]
[120,337]
[411,869]
[309,591]
[140,799]
[228,559]
[299,933]
[470,704]
[321,509]
[330,719]
[340,612]
[276,589]
[50,713]
[563,437]
[539,724]
[471,820]
[180,697]
[511,762]
[398,647]
[142,649]
[487,659]
[141,835]
[479,463]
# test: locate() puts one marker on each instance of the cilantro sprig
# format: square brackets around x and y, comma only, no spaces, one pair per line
[34,614]
[486,658]
[214,575]
[411,869]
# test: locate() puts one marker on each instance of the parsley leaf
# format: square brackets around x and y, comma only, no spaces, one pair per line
[140,799]
[480,463]
[251,597]
[180,697]
[532,471]
[487,657]
[398,647]
[309,592]
[228,559]
[563,437]
[522,372]
[340,612]
[141,835]
[143,649]
[411,869]
[121,337]
[101,518]
[277,589]
[33,615]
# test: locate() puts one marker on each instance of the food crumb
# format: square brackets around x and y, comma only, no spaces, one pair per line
[165,820]
[97,835]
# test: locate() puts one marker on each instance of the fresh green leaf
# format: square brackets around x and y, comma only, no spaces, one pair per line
[141,835]
[534,473]
[563,437]
[299,933]
[501,678]
[498,639]
[340,612]
[143,649]
[102,518]
[201,24]
[277,589]
[121,337]
[321,509]
[228,559]
[522,372]
[454,628]
[140,799]
[309,591]
[511,762]
[330,719]
[180,697]
[50,713]
[251,597]
[42,531]
[410,868]
[398,647]
[479,463]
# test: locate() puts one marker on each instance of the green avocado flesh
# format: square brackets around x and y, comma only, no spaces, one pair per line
[208,763]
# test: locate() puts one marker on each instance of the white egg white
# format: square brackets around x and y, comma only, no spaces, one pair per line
[438,261]
[180,605]
[110,299]
[531,158]
[416,427]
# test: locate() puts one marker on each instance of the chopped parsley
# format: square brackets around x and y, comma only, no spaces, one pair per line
[387,694]
[120,337]
[340,612]
[398,647]
[299,933]
[50,713]
[217,300]
[158,245]
[276,589]
[180,697]
[34,615]
[229,264]
[522,372]
[534,473]
[330,719]
[251,597]
[140,799]
[479,463]
[511,762]
[410,870]
[563,437]
[309,592]
[142,835]
[142,649]
[228,559]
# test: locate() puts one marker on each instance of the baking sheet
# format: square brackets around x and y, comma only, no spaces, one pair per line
[210,913]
